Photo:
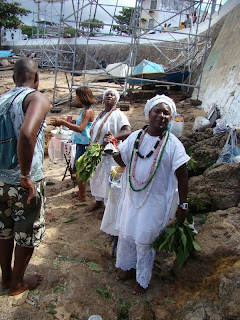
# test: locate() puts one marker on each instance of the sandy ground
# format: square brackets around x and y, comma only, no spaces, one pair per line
[76,257]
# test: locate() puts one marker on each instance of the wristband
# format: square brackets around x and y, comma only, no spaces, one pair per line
[28,176]
[183,205]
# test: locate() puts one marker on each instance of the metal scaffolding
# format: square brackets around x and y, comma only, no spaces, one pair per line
[177,48]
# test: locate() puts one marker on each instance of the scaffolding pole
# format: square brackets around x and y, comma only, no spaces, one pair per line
[63,54]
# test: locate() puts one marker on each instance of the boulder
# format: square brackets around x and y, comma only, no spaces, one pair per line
[218,187]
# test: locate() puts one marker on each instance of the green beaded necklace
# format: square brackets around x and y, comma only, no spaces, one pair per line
[157,166]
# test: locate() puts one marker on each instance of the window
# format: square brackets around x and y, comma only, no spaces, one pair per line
[151,23]
[153,5]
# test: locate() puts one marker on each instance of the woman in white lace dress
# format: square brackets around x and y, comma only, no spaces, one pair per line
[110,121]
[155,163]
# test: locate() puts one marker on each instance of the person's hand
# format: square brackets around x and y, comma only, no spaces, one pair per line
[27,183]
[108,138]
[56,121]
[181,215]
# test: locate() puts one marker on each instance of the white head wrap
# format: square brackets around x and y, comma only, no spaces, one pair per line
[114,91]
[159,99]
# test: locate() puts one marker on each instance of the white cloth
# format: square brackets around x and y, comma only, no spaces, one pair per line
[159,99]
[144,224]
[114,91]
[57,148]
[110,213]
[139,257]
[99,183]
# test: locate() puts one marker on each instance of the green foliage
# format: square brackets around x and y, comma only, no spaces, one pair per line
[94,266]
[192,165]
[170,301]
[28,30]
[60,288]
[124,309]
[208,161]
[10,13]
[179,239]
[31,31]
[70,220]
[104,293]
[50,309]
[196,204]
[69,32]
[87,163]
[71,260]
[93,25]
[124,21]
[203,218]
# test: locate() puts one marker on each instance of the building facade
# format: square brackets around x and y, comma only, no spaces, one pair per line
[159,15]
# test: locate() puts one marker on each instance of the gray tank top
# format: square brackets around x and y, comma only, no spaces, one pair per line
[17,115]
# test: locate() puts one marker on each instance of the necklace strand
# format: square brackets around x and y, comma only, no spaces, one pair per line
[137,143]
[152,166]
[156,166]
[98,135]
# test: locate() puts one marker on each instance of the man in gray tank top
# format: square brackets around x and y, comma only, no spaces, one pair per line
[22,198]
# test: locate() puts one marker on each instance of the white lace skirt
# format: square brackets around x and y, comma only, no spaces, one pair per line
[135,256]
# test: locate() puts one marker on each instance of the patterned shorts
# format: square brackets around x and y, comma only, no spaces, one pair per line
[26,222]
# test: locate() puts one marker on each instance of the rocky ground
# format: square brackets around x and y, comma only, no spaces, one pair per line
[76,257]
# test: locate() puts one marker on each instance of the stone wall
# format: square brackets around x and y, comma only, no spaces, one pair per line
[220,83]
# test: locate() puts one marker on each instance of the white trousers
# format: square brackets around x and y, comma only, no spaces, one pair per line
[135,256]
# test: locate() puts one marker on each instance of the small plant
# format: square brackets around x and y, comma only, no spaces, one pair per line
[208,161]
[71,260]
[71,219]
[104,293]
[196,203]
[124,309]
[94,266]
[192,165]
[203,219]
[50,309]
[60,288]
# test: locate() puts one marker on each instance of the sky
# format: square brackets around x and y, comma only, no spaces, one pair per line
[50,10]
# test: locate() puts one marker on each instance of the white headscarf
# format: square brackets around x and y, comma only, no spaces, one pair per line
[159,99]
[114,91]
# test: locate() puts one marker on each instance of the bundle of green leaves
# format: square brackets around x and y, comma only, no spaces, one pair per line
[179,239]
[87,163]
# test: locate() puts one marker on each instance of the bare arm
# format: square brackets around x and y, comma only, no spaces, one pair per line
[36,107]
[182,177]
[123,133]
[87,115]
[117,157]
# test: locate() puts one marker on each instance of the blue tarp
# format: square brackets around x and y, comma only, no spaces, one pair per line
[175,77]
[148,69]
[6,53]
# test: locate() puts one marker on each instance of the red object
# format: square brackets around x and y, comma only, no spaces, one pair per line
[69,118]
[114,142]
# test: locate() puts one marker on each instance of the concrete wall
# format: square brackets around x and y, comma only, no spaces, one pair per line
[221,74]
